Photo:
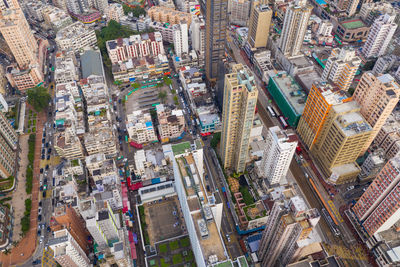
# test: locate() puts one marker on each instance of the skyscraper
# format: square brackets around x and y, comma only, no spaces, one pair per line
[290,220]
[322,97]
[341,67]
[377,97]
[279,149]
[18,35]
[379,207]
[8,148]
[342,138]
[239,11]
[260,20]
[216,20]
[379,36]
[294,27]
[67,252]
[240,99]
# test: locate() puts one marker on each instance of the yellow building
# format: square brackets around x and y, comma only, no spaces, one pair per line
[260,20]
[322,97]
[240,99]
[340,141]
[377,97]
[169,15]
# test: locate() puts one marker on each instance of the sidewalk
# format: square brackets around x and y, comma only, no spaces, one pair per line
[26,247]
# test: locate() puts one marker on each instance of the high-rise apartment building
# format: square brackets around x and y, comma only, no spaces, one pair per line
[66,250]
[379,36]
[260,20]
[341,67]
[322,97]
[18,35]
[279,150]
[198,34]
[180,37]
[216,21]
[9,4]
[290,220]
[340,142]
[8,148]
[240,99]
[377,97]
[66,217]
[378,209]
[294,27]
[239,11]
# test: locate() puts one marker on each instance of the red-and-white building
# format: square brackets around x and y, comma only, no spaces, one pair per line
[136,46]
[378,209]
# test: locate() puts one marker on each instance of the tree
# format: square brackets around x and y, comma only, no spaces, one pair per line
[162,95]
[167,80]
[136,11]
[39,98]
[135,85]
[117,82]
[215,140]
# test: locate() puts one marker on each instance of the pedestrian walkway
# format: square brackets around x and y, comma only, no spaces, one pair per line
[26,247]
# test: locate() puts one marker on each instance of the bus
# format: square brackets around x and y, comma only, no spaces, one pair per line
[283,122]
[271,111]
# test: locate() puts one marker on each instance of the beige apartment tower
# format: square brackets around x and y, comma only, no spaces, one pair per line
[341,140]
[8,148]
[260,20]
[18,35]
[240,99]
[377,97]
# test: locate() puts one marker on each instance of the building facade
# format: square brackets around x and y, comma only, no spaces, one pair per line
[378,209]
[379,36]
[216,21]
[294,27]
[279,150]
[260,20]
[341,67]
[239,11]
[76,37]
[8,145]
[240,99]
[377,97]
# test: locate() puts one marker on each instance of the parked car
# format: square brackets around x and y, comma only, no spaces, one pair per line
[48,157]
[41,170]
[44,194]
[47,167]
[36,262]
[43,156]
[39,217]
[49,150]
[40,203]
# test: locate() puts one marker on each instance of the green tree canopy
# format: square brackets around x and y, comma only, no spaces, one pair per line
[136,11]
[162,95]
[39,98]
[167,80]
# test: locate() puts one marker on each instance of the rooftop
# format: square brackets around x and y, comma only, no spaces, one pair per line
[91,64]
[180,148]
[353,24]
[292,91]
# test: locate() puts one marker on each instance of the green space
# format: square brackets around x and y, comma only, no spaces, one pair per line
[177,259]
[162,95]
[29,168]
[6,183]
[26,220]
[163,248]
[215,140]
[75,162]
[185,242]
[39,98]
[260,215]
[189,257]
[353,24]
[144,225]
[173,245]
[247,198]
[180,148]
[163,263]
[176,101]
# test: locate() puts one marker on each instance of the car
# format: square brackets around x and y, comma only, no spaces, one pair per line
[44,134]
[41,170]
[228,238]
[48,229]
[120,137]
[43,140]
[47,144]
[208,188]
[45,180]
[47,166]
[36,262]
[115,108]
[48,157]
[43,151]
[119,101]
[49,150]
[39,210]
[41,239]
[43,225]
[39,232]
[39,217]
[40,203]
[44,194]
[43,156]
[54,125]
